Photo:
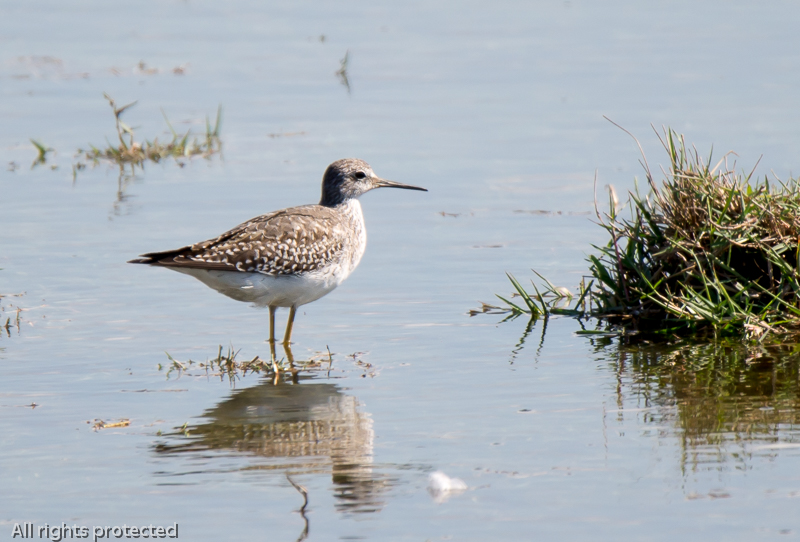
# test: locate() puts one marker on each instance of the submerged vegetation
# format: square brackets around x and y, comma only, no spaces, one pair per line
[9,315]
[42,151]
[223,365]
[341,73]
[133,153]
[136,153]
[708,251]
[226,364]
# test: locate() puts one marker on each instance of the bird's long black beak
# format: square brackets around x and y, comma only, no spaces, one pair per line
[380,183]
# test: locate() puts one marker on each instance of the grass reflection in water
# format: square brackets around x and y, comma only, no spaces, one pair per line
[727,400]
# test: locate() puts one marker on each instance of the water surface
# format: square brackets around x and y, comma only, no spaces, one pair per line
[497,110]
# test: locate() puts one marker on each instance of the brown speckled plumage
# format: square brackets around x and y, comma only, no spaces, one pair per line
[287,242]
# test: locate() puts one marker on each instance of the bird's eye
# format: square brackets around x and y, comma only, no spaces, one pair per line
[360,174]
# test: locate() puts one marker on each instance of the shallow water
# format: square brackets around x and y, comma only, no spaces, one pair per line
[498,112]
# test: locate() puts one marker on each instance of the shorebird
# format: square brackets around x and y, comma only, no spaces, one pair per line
[290,257]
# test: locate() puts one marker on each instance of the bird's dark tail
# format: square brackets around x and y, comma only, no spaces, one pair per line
[156,258]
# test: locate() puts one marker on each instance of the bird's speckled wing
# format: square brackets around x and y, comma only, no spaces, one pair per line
[288,242]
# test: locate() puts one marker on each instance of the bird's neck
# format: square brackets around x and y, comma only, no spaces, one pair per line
[335,199]
[350,212]
[332,196]
[351,208]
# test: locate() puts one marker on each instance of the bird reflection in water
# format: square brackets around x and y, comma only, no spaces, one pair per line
[293,422]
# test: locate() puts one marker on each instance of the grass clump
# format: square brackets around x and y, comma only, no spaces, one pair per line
[706,251]
[136,153]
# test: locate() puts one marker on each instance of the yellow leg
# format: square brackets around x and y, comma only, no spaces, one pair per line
[290,358]
[288,335]
[272,325]
[272,342]
[272,351]
[289,355]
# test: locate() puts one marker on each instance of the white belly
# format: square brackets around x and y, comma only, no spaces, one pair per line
[266,290]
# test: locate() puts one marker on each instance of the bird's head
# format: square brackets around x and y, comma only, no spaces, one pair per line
[349,178]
